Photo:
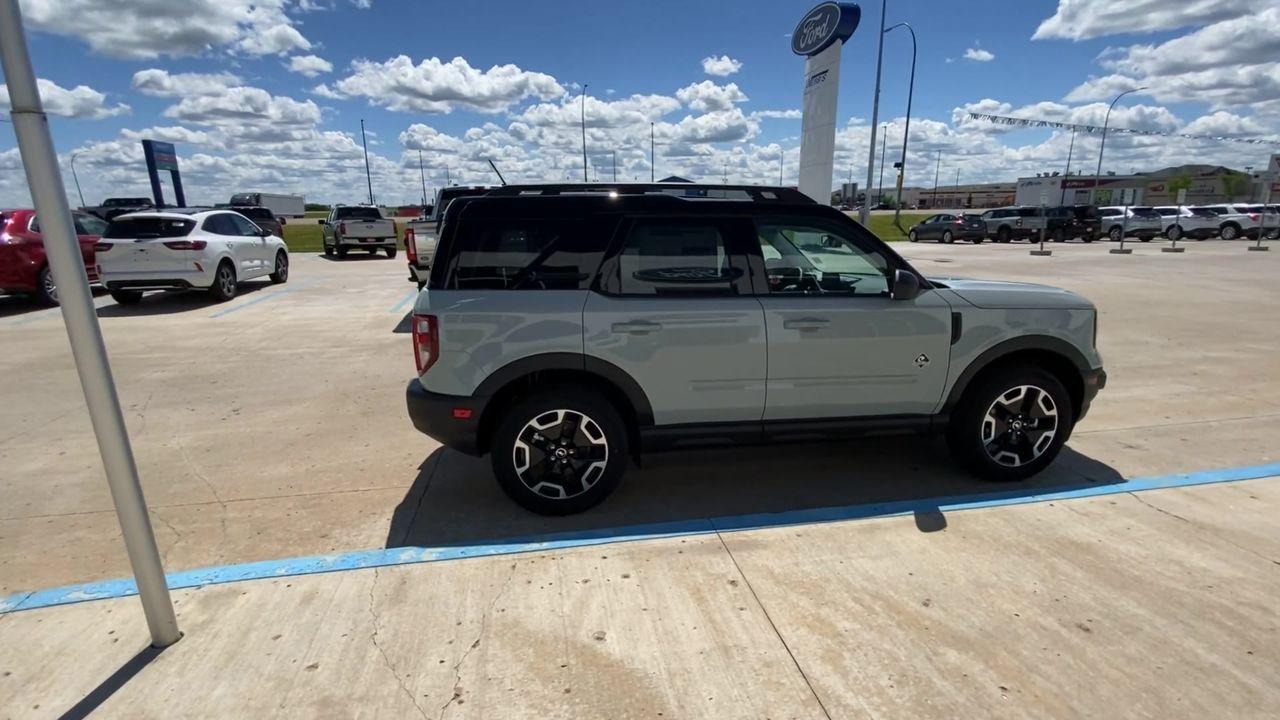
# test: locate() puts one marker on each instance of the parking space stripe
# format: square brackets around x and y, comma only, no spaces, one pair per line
[385,557]
[264,298]
[396,308]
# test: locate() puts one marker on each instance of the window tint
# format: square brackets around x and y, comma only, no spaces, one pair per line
[357,213]
[256,213]
[672,258]
[803,258]
[149,227]
[220,224]
[1168,211]
[243,226]
[90,225]
[1203,212]
[525,254]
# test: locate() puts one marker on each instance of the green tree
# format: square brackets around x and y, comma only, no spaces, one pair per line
[1181,182]
[1235,184]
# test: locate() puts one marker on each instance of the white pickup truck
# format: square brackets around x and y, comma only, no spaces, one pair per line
[357,226]
[421,233]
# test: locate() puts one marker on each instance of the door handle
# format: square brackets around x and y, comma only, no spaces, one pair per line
[808,323]
[636,327]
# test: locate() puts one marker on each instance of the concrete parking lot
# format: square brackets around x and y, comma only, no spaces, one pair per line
[273,426]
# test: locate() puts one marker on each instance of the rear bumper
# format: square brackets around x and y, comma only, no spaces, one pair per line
[366,242]
[440,417]
[158,280]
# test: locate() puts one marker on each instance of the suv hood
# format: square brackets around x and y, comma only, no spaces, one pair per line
[992,294]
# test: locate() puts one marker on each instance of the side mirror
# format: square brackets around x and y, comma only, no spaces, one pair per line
[324,222]
[282,221]
[263,232]
[906,286]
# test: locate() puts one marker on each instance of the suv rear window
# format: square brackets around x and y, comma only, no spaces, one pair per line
[149,227]
[256,213]
[673,257]
[358,213]
[524,254]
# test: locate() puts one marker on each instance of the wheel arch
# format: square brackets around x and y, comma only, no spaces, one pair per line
[1049,353]
[508,384]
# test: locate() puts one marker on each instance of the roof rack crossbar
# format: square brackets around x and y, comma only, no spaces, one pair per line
[756,193]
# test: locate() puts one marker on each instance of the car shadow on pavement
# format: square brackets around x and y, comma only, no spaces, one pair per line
[455,500]
[14,305]
[171,302]
[355,256]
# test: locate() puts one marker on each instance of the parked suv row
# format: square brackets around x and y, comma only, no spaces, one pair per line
[566,328]
[1057,224]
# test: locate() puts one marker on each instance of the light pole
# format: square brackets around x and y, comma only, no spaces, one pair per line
[76,178]
[781,155]
[884,140]
[936,169]
[31,128]
[584,132]
[615,165]
[422,174]
[906,132]
[875,119]
[1063,200]
[1097,176]
[652,156]
[368,178]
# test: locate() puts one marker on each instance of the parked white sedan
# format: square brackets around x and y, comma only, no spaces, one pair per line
[213,251]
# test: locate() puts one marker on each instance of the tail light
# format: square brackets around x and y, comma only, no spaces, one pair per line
[426,341]
[959,221]
[1253,217]
[342,228]
[103,247]
[186,244]
[411,246]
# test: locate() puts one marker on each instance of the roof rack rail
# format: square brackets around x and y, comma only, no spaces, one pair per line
[688,191]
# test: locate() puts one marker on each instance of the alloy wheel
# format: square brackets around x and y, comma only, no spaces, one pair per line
[560,454]
[226,280]
[50,287]
[1019,426]
[282,267]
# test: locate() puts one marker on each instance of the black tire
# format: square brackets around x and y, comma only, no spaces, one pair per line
[328,249]
[46,288]
[1174,233]
[1003,235]
[1116,234]
[911,236]
[977,240]
[126,297]
[281,275]
[947,237]
[1229,231]
[979,433]
[1144,238]
[224,285]
[1059,235]
[519,436]
[391,253]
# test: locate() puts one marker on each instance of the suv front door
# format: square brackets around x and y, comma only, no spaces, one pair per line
[673,309]
[839,345]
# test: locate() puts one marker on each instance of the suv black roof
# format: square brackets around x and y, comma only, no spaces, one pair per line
[686,191]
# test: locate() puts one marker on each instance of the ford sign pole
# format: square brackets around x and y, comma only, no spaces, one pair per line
[819,37]
[865,212]
[40,162]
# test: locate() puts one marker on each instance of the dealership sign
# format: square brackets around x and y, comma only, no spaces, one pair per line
[824,25]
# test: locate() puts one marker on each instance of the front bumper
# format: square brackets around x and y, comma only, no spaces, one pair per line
[1094,380]
[454,420]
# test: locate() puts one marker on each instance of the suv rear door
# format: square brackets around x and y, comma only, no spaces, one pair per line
[673,308]
[839,345]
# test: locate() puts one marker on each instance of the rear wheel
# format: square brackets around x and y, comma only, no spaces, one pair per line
[328,249]
[126,297]
[224,282]
[391,252]
[1174,233]
[46,288]
[560,452]
[948,238]
[281,274]
[1012,424]
[1003,235]
[1230,232]
[1060,235]
[1116,234]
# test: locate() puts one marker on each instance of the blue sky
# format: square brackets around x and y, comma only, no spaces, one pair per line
[470,81]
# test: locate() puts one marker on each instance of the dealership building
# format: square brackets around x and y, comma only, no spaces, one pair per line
[1208,184]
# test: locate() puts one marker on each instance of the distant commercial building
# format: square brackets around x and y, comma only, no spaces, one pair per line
[1205,184]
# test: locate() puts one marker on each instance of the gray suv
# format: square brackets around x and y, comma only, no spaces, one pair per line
[565,329]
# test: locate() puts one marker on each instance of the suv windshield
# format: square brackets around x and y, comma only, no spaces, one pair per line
[357,213]
[256,213]
[148,227]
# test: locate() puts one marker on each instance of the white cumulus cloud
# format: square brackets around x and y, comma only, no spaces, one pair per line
[978,55]
[722,66]
[81,101]
[435,86]
[309,65]
[1086,19]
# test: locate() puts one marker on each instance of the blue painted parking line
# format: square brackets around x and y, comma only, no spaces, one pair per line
[396,308]
[606,536]
[264,298]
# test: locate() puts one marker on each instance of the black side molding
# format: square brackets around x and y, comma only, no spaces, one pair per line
[957,327]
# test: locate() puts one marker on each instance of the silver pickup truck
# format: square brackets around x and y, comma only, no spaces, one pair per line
[357,227]
[421,233]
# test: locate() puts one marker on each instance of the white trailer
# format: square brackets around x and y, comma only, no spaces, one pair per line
[294,206]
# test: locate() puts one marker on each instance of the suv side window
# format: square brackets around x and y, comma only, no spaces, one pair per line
[806,256]
[90,224]
[219,224]
[243,226]
[526,254]
[668,257]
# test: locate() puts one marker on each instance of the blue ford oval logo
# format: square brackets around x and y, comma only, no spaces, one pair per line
[823,25]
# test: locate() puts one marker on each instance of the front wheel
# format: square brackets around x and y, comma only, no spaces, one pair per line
[1012,424]
[391,252]
[1116,234]
[224,283]
[1003,235]
[1174,233]
[281,274]
[1229,232]
[1059,235]
[560,452]
[328,249]
[912,236]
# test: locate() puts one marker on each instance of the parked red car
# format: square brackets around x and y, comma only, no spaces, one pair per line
[23,267]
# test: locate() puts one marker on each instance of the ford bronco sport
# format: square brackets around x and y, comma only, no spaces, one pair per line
[564,329]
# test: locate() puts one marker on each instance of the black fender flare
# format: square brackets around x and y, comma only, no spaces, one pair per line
[577,362]
[1001,350]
